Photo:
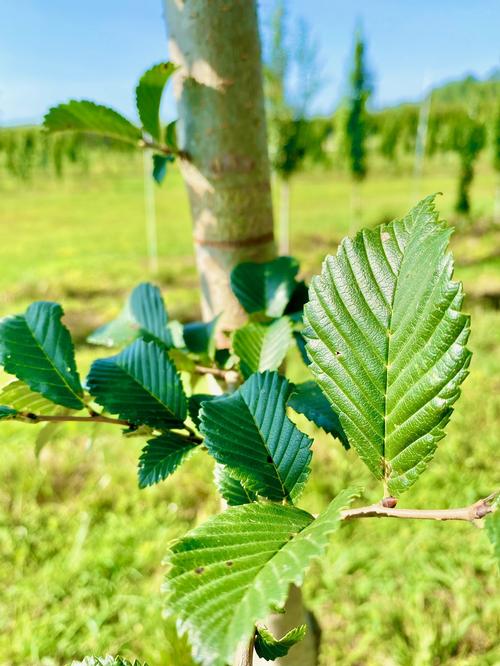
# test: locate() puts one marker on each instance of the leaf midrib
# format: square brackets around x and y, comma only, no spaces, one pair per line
[65,382]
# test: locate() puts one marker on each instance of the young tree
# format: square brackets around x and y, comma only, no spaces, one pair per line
[355,120]
[469,136]
[385,375]
[294,138]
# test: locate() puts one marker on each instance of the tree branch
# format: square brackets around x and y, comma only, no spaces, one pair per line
[96,418]
[246,657]
[164,150]
[470,513]
[215,372]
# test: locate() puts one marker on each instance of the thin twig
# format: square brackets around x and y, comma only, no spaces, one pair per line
[470,513]
[164,150]
[97,418]
[28,417]
[216,372]
[247,654]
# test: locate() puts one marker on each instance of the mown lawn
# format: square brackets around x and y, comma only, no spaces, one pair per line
[81,546]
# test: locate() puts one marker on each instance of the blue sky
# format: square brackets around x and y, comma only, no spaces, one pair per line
[53,50]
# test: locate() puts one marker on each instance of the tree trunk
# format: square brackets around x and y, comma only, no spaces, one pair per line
[222,128]
[220,99]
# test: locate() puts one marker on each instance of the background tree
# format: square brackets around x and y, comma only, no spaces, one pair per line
[355,120]
[295,138]
[468,139]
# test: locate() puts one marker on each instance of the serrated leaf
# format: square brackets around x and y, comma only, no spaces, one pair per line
[144,315]
[231,489]
[308,399]
[161,456]
[265,287]
[37,348]
[91,118]
[7,412]
[18,395]
[250,432]
[199,337]
[262,346]
[228,573]
[141,385]
[270,648]
[387,342]
[194,405]
[148,96]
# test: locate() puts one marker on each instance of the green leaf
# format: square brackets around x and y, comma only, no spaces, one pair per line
[262,346]
[265,287]
[308,399]
[141,385]
[18,395]
[301,346]
[270,648]
[85,116]
[161,456]
[387,342]
[7,412]
[37,348]
[148,97]
[199,337]
[250,432]
[171,135]
[144,315]
[160,167]
[228,573]
[231,489]
[194,405]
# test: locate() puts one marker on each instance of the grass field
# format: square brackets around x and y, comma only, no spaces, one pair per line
[81,546]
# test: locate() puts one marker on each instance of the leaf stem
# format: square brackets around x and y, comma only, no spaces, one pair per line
[216,372]
[96,418]
[470,513]
[246,658]
[164,150]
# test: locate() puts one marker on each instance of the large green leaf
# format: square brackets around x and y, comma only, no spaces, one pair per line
[265,287]
[37,348]
[250,432]
[144,315]
[262,346]
[194,405]
[141,385]
[308,399]
[91,118]
[387,341]
[18,395]
[227,574]
[231,489]
[270,648]
[148,97]
[161,456]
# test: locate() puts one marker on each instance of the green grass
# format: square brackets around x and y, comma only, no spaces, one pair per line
[81,547]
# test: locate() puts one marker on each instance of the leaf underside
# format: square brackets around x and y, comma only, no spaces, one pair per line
[228,573]
[141,385]
[18,395]
[250,432]
[308,399]
[91,118]
[148,96]
[262,347]
[265,287]
[144,315]
[37,348]
[231,489]
[270,648]
[387,341]
[161,456]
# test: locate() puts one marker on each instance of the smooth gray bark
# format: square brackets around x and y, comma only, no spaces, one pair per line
[220,99]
